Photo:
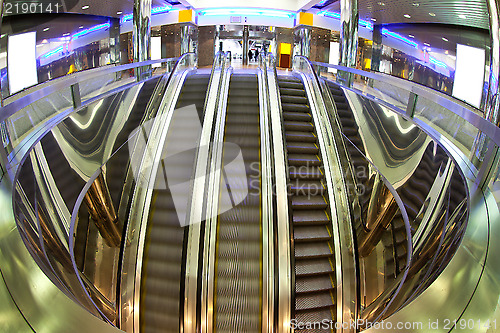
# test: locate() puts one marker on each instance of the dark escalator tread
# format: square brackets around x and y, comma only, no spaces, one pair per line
[310,217]
[313,267]
[314,284]
[292,92]
[308,202]
[287,99]
[312,250]
[313,317]
[297,116]
[307,187]
[301,126]
[306,172]
[296,136]
[311,234]
[304,159]
[295,107]
[302,148]
[313,301]
[290,84]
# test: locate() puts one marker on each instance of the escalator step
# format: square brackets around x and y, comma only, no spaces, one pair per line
[302,126]
[316,316]
[295,107]
[305,172]
[292,92]
[307,187]
[313,284]
[313,301]
[288,99]
[304,159]
[302,148]
[298,116]
[311,234]
[309,217]
[312,267]
[308,202]
[312,250]
[295,136]
[290,84]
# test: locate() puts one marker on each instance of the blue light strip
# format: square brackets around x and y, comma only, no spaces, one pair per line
[54,51]
[246,11]
[336,15]
[399,37]
[154,11]
[89,30]
[437,62]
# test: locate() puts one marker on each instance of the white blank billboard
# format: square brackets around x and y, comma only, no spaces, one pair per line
[469,74]
[21,61]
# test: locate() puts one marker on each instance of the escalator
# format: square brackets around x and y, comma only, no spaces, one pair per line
[162,275]
[314,262]
[238,261]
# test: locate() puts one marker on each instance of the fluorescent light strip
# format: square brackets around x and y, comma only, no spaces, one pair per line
[437,62]
[54,51]
[154,11]
[336,15]
[399,37]
[246,11]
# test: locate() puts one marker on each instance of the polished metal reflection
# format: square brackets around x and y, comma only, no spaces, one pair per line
[349,18]
[142,36]
[302,43]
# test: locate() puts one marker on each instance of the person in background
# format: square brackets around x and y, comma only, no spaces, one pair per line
[250,55]
[257,55]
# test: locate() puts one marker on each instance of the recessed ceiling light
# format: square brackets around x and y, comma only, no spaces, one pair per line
[432,14]
[415,4]
[446,52]
[85,7]
[373,19]
[445,39]
[80,27]
[46,29]
[462,16]
[407,16]
[427,44]
[411,36]
[3,35]
[118,13]
[381,3]
[66,34]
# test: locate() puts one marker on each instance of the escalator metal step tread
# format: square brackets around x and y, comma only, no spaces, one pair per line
[164,252]
[312,250]
[313,317]
[296,136]
[241,287]
[240,231]
[302,147]
[297,116]
[295,107]
[290,99]
[304,159]
[244,323]
[302,126]
[292,92]
[311,234]
[159,321]
[306,172]
[243,119]
[290,84]
[313,284]
[313,301]
[312,267]
[307,187]
[309,217]
[308,202]
[169,270]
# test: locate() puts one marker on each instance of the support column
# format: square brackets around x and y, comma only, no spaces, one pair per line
[142,36]
[349,18]
[245,44]
[491,111]
[302,42]
[376,48]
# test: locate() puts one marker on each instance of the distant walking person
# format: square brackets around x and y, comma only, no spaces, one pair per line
[250,55]
[257,55]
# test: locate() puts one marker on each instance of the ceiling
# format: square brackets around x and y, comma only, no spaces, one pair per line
[471,13]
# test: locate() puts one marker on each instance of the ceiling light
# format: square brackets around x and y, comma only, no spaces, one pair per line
[66,34]
[373,19]
[80,27]
[381,3]
[407,16]
[415,4]
[3,35]
[118,13]
[445,39]
[462,16]
[427,44]
[46,29]
[85,7]
[432,14]
[411,36]
[446,52]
